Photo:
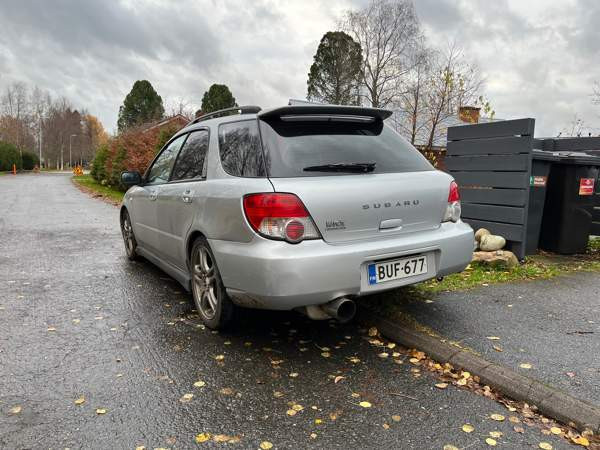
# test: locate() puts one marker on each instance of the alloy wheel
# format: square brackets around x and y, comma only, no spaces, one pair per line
[204,283]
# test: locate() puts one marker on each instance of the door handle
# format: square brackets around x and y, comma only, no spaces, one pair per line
[187,196]
[153,195]
[390,224]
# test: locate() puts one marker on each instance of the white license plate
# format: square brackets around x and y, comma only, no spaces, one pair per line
[396,269]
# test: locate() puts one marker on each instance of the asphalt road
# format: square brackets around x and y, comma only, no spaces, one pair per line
[552,325]
[77,319]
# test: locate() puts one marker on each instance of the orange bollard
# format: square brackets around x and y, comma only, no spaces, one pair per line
[14,169]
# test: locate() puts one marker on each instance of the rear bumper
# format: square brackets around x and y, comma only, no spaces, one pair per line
[277,275]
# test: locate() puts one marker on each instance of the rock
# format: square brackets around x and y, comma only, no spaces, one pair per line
[480,233]
[491,242]
[501,258]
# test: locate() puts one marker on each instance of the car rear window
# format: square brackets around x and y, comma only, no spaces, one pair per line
[292,146]
[240,149]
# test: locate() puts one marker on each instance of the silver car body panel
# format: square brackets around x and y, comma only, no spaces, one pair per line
[362,218]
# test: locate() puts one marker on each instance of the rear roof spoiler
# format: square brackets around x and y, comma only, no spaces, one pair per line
[325,110]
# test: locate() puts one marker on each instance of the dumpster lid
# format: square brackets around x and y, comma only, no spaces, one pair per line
[544,155]
[579,158]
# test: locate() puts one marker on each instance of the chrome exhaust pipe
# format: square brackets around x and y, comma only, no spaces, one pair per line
[343,309]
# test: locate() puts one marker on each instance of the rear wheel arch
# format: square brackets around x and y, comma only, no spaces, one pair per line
[190,243]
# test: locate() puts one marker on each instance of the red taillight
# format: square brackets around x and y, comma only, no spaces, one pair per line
[453,196]
[279,216]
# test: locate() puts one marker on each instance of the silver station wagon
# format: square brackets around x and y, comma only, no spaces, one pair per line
[298,207]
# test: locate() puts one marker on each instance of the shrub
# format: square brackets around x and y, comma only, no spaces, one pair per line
[98,171]
[30,160]
[9,155]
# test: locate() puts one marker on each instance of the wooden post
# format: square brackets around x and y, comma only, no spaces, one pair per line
[14,171]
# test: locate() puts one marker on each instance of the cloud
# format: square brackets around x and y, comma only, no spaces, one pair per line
[539,58]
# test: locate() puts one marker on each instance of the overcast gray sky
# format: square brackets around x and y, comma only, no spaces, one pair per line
[539,57]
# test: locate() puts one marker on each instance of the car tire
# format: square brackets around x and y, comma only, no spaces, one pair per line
[128,237]
[215,308]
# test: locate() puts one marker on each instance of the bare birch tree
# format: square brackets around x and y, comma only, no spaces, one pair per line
[388,32]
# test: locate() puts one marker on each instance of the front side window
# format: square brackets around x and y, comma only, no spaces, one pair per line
[190,162]
[240,149]
[161,169]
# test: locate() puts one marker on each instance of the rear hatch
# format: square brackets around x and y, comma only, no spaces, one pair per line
[357,178]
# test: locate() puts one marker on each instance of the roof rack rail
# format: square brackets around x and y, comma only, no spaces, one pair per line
[248,109]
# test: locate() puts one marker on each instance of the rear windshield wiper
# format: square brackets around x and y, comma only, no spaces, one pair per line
[342,167]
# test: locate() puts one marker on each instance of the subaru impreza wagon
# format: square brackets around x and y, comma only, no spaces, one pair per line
[297,207]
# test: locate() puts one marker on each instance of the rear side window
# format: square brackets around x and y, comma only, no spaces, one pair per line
[291,147]
[240,149]
[190,162]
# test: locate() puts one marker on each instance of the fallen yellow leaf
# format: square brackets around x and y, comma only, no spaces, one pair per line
[226,391]
[462,382]
[51,329]
[338,379]
[491,442]
[373,331]
[497,417]
[466,375]
[386,426]
[100,411]
[497,348]
[325,354]
[318,421]
[15,409]
[186,398]
[365,404]
[80,400]
[220,357]
[441,385]
[525,366]
[545,446]
[519,429]
[383,355]
[199,384]
[391,345]
[496,434]
[355,395]
[294,374]
[313,435]
[450,447]
[514,419]
[278,394]
[414,360]
[581,441]
[297,407]
[266,445]
[203,437]
[354,360]
[555,430]
[467,428]
[291,412]
[396,418]
[493,338]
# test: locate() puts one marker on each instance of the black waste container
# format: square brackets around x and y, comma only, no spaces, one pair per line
[569,204]
[540,171]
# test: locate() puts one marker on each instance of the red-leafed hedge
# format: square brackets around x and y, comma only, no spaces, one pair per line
[133,149]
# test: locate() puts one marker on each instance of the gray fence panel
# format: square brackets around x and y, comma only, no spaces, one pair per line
[496,146]
[515,180]
[487,162]
[506,197]
[519,127]
[494,213]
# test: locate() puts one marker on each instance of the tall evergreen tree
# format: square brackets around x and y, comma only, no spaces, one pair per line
[335,73]
[141,105]
[217,97]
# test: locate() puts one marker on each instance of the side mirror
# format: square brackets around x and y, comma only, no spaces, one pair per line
[131,178]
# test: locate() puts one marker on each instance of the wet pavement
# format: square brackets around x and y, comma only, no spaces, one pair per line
[78,321]
[552,325]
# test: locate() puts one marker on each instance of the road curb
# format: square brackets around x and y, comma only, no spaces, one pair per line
[550,401]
